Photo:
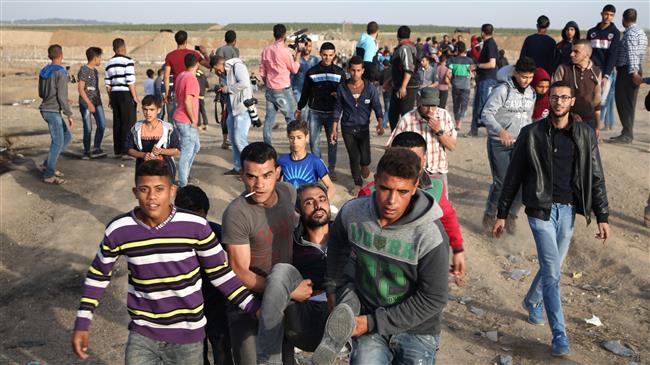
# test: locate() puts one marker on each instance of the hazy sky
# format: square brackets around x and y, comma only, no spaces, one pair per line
[515,14]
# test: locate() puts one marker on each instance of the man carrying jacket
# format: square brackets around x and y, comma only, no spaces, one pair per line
[557,165]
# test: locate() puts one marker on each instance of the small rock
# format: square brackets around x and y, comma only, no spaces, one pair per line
[618,348]
[476,310]
[121,165]
[505,360]
[464,300]
[519,274]
[514,259]
[576,275]
[594,321]
[455,326]
[492,336]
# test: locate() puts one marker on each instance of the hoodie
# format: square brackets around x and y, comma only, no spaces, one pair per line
[238,83]
[604,43]
[53,89]
[563,47]
[400,269]
[541,109]
[508,107]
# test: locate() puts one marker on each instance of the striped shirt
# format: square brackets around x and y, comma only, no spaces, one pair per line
[436,154]
[164,298]
[120,73]
[632,48]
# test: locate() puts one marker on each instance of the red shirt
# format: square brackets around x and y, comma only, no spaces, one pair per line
[186,84]
[176,60]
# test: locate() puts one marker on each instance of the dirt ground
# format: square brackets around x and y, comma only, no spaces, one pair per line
[49,234]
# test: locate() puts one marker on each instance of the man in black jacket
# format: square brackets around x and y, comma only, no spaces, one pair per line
[557,164]
[319,91]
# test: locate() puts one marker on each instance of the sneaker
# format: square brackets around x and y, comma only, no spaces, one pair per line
[332,174]
[471,134]
[535,313]
[620,140]
[97,153]
[338,330]
[488,221]
[511,224]
[232,172]
[225,145]
[86,156]
[127,158]
[560,346]
[204,127]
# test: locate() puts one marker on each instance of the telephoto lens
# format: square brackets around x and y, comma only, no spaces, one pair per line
[252,112]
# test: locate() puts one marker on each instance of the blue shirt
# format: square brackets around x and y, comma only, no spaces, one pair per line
[369,45]
[306,171]
[298,79]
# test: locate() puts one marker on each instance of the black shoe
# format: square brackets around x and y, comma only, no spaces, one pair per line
[97,153]
[616,137]
[471,134]
[232,172]
[621,140]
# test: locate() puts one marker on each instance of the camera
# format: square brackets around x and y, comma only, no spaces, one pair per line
[299,39]
[252,112]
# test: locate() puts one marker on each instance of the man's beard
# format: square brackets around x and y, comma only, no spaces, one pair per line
[555,115]
[311,222]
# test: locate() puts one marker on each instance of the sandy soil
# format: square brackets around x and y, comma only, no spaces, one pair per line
[48,236]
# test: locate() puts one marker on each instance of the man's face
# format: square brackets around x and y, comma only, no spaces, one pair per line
[219,68]
[154,195]
[260,179]
[542,87]
[308,48]
[571,32]
[356,72]
[579,54]
[607,17]
[445,38]
[428,110]
[424,62]
[314,208]
[460,37]
[297,141]
[393,196]
[97,60]
[150,112]
[561,101]
[327,56]
[523,78]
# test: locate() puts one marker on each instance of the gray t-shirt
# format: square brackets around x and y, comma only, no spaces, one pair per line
[91,78]
[228,52]
[268,231]
[428,76]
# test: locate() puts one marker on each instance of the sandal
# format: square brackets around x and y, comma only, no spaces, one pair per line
[54,180]
[57,173]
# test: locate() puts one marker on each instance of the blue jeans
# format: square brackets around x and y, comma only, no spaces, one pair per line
[386,95]
[171,108]
[88,127]
[317,120]
[142,350]
[190,147]
[499,158]
[400,349]
[238,125]
[607,109]
[552,238]
[60,134]
[277,100]
[483,89]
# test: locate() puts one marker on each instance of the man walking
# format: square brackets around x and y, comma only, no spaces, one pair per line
[367,48]
[307,61]
[540,46]
[486,76]
[628,71]
[406,80]
[228,50]
[556,164]
[276,65]
[90,103]
[53,89]
[120,85]
[186,116]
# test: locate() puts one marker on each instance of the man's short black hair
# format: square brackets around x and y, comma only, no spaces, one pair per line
[54,51]
[192,198]
[151,100]
[230,36]
[93,52]
[418,40]
[303,188]
[543,22]
[487,28]
[150,73]
[327,46]
[561,83]
[409,140]
[214,59]
[609,8]
[372,27]
[259,152]
[118,43]
[525,64]
[461,48]
[190,60]
[401,163]
[629,15]
[404,32]
[279,31]
[355,60]
[153,168]
[180,37]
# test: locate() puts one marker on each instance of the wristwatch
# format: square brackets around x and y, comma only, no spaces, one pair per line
[440,132]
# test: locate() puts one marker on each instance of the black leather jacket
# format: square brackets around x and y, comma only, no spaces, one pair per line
[531,167]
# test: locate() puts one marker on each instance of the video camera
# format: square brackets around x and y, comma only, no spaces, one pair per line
[252,112]
[300,39]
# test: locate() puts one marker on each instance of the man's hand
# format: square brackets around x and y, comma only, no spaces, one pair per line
[457,269]
[380,128]
[335,136]
[297,114]
[603,82]
[303,291]
[149,156]
[637,79]
[80,343]
[71,122]
[91,108]
[361,326]
[167,99]
[603,232]
[401,93]
[157,151]
[497,230]
[434,124]
[506,138]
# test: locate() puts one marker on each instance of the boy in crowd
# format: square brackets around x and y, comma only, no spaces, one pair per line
[149,83]
[203,86]
[166,248]
[90,102]
[541,83]
[153,138]
[355,100]
[301,167]
[53,89]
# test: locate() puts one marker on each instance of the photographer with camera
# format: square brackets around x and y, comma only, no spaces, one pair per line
[241,104]
[276,64]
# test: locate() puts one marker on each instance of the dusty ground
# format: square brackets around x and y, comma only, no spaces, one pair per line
[48,236]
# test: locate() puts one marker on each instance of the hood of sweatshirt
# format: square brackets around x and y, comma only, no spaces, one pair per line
[540,75]
[50,69]
[569,25]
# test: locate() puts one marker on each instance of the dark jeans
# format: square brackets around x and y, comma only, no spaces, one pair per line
[483,89]
[444,94]
[460,98]
[626,93]
[203,115]
[318,120]
[357,143]
[124,114]
[88,126]
[499,157]
[399,107]
[302,324]
[216,329]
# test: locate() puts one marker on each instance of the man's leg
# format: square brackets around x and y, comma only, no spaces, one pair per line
[196,144]
[363,143]
[269,117]
[88,127]
[128,120]
[182,354]
[476,112]
[141,350]
[371,348]
[464,103]
[55,126]
[455,100]
[243,333]
[393,111]
[100,119]
[187,148]
[117,124]
[315,126]
[626,93]
[412,349]
[327,121]
[286,104]
[408,103]
[203,114]
[241,123]
[305,324]
[386,95]
[354,157]
[499,158]
[444,94]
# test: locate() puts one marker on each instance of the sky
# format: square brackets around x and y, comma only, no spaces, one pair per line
[506,14]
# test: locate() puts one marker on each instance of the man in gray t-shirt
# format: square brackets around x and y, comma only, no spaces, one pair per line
[229,50]
[257,233]
[428,72]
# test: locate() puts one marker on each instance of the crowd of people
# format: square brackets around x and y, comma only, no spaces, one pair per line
[285,269]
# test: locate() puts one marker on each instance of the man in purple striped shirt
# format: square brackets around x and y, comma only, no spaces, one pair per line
[166,248]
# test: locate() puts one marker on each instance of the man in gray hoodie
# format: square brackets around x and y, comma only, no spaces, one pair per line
[53,89]
[387,269]
[508,109]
